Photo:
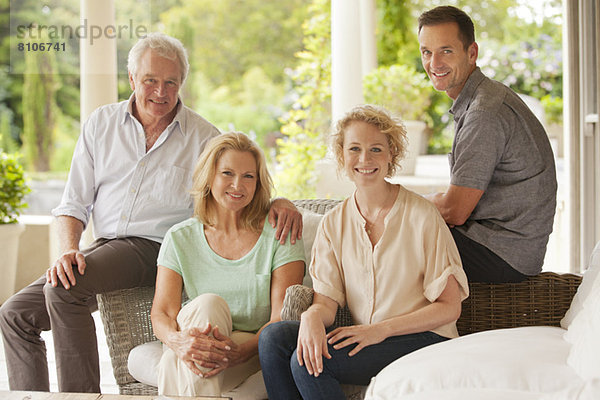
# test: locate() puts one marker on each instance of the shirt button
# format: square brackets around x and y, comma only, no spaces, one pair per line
[123,217]
[132,190]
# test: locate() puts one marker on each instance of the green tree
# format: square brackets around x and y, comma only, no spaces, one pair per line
[226,38]
[396,38]
[39,107]
[253,109]
[239,53]
[307,123]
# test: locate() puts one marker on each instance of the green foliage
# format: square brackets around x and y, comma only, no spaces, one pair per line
[226,38]
[305,126]
[6,140]
[400,89]
[39,108]
[441,128]
[553,106]
[13,188]
[64,143]
[396,40]
[251,109]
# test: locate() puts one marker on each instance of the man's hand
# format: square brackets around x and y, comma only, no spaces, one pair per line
[62,270]
[457,204]
[287,218]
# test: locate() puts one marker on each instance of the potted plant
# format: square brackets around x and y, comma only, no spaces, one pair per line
[407,94]
[13,189]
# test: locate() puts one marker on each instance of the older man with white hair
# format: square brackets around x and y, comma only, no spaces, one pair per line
[132,170]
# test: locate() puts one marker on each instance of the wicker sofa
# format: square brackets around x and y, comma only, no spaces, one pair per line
[540,300]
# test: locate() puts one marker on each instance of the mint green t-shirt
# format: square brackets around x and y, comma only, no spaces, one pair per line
[244,283]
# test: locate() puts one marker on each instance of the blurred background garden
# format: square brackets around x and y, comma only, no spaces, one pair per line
[264,67]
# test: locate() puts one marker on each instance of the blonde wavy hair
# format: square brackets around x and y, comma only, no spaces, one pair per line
[254,213]
[392,127]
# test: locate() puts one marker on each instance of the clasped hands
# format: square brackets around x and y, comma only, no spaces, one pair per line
[198,348]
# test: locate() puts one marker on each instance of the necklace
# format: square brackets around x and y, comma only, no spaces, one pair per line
[370,225]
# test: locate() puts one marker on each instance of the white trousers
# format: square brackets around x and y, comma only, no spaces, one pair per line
[176,379]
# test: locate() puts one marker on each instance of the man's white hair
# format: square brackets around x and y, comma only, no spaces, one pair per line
[165,46]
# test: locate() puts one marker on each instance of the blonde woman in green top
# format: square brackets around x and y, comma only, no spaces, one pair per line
[233,269]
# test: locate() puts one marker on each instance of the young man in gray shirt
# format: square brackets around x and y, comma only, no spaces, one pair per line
[502,197]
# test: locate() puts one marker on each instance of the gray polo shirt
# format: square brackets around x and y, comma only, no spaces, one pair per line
[500,147]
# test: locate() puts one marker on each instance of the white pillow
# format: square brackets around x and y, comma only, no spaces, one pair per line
[589,390]
[310,224]
[584,336]
[589,277]
[470,394]
[143,360]
[530,359]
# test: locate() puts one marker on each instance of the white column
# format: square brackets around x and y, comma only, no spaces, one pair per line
[98,64]
[368,42]
[346,64]
[98,52]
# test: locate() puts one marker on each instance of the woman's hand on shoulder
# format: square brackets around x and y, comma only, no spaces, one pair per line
[360,335]
[312,342]
[196,348]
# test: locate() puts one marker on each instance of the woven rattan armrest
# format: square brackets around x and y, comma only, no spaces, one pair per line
[126,318]
[539,300]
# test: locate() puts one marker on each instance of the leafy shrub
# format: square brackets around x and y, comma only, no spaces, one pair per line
[13,188]
[400,89]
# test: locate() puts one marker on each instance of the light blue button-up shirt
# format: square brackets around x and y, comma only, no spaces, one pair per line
[132,192]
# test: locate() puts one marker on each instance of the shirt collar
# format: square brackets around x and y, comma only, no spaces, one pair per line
[466,94]
[179,119]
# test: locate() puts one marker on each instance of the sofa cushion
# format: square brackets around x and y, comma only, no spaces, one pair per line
[588,390]
[506,359]
[143,360]
[469,394]
[583,335]
[591,275]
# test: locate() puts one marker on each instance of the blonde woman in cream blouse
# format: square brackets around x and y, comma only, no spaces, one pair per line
[386,253]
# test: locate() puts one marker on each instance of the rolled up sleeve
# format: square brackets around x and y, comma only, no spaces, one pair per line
[325,267]
[78,197]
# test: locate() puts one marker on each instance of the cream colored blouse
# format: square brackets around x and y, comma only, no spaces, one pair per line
[405,271]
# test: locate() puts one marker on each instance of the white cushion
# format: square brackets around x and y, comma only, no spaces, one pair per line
[588,390]
[470,394]
[584,336]
[516,359]
[310,224]
[589,278]
[143,362]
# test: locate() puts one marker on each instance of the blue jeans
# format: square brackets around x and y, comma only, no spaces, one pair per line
[285,379]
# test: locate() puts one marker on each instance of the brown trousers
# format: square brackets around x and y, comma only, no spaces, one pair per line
[111,265]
